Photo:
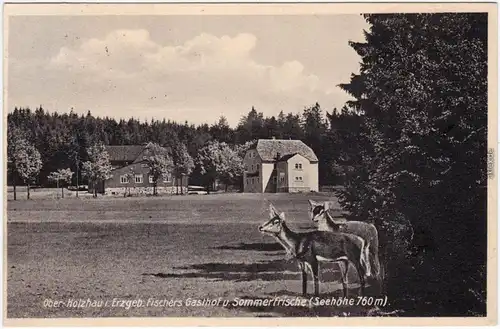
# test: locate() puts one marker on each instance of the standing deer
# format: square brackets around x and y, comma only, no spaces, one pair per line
[309,248]
[366,231]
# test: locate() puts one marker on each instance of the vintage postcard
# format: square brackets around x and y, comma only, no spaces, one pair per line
[250,164]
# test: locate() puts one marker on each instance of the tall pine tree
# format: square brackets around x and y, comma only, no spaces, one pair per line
[421,94]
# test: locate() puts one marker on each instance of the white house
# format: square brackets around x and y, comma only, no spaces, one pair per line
[278,165]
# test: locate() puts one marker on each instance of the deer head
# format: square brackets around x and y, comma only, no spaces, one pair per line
[317,210]
[275,223]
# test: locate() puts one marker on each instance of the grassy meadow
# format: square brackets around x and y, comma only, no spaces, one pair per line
[157,248]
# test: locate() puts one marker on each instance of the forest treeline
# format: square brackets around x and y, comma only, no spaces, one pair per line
[62,137]
[410,151]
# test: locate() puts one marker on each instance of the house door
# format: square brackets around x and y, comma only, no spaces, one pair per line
[281,184]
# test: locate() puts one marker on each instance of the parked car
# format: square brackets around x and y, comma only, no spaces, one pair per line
[197,190]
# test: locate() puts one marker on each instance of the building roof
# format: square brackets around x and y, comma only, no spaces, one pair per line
[287,157]
[268,149]
[126,153]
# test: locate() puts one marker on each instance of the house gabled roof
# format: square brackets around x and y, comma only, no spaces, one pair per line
[268,149]
[126,153]
[287,157]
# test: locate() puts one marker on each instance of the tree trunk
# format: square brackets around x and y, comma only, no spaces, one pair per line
[57,186]
[14,182]
[77,183]
[177,185]
[62,191]
[28,190]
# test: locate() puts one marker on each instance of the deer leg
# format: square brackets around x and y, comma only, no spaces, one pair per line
[303,271]
[377,278]
[377,270]
[341,268]
[361,275]
[315,273]
[344,268]
[342,276]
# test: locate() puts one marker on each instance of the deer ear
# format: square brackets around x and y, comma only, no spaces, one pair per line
[311,203]
[282,216]
[272,211]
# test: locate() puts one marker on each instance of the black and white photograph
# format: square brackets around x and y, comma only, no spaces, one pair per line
[252,161]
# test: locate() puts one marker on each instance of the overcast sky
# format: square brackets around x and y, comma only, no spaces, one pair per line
[193,68]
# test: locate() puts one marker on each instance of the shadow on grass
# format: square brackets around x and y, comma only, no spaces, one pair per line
[253,246]
[238,272]
[274,270]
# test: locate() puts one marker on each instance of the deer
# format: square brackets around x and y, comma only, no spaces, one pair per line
[309,248]
[368,232]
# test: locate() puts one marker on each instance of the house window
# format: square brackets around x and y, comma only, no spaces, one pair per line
[258,167]
[253,167]
[151,180]
[275,179]
[298,166]
[123,179]
[166,179]
[299,179]
[138,179]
